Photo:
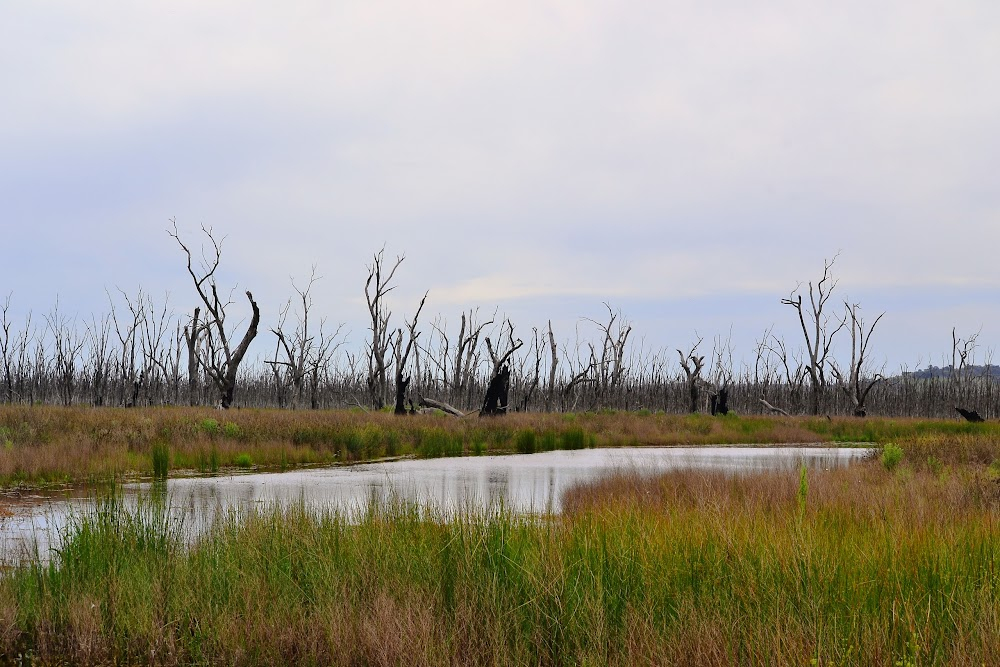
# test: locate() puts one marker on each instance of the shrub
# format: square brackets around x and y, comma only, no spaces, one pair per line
[891,456]
[243,461]
[209,426]
[231,430]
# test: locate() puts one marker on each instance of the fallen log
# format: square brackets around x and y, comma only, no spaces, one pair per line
[774,409]
[970,415]
[440,405]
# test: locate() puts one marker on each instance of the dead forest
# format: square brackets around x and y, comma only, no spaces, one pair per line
[143,352]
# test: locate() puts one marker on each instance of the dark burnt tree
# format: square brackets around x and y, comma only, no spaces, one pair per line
[401,355]
[497,397]
[219,359]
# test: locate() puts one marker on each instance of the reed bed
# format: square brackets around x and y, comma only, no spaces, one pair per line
[860,566]
[46,444]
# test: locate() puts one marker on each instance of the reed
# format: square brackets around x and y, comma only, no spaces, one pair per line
[48,444]
[854,566]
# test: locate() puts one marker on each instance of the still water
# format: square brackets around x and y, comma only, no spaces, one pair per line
[523,483]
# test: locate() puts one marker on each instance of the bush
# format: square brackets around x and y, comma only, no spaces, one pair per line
[243,461]
[209,426]
[891,456]
[231,430]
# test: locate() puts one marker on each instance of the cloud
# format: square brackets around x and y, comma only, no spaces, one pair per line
[522,153]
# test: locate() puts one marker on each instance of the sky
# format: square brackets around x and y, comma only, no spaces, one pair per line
[686,163]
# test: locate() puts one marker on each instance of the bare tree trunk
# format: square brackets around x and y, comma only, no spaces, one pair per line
[191,337]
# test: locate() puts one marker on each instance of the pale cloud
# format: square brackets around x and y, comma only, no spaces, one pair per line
[527,154]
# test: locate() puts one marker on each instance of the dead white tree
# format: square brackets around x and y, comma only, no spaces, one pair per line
[467,352]
[298,348]
[98,334]
[67,345]
[220,360]
[692,364]
[7,350]
[378,285]
[127,329]
[610,363]
[554,352]
[859,380]
[818,329]
[192,338]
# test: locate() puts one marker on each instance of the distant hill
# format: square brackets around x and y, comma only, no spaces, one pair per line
[932,372]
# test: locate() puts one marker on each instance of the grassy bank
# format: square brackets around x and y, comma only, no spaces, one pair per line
[856,566]
[45,444]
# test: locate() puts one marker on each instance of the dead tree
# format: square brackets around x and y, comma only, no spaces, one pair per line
[611,362]
[127,332]
[219,359]
[496,400]
[722,376]
[378,285]
[153,342]
[692,364]
[858,382]
[580,373]
[67,344]
[192,335]
[466,353]
[7,350]
[818,329]
[550,390]
[303,350]
[99,357]
[401,355]
[176,347]
[536,348]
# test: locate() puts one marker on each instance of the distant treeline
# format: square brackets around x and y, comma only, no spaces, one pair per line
[143,353]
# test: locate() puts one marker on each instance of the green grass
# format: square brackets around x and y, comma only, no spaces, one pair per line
[876,568]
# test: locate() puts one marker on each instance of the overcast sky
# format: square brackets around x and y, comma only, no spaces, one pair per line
[686,162]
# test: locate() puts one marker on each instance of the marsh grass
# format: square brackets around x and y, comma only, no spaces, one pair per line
[47,444]
[683,568]
[161,460]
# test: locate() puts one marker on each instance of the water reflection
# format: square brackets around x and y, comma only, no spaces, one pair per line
[522,483]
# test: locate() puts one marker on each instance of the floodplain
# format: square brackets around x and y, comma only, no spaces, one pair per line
[892,560]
